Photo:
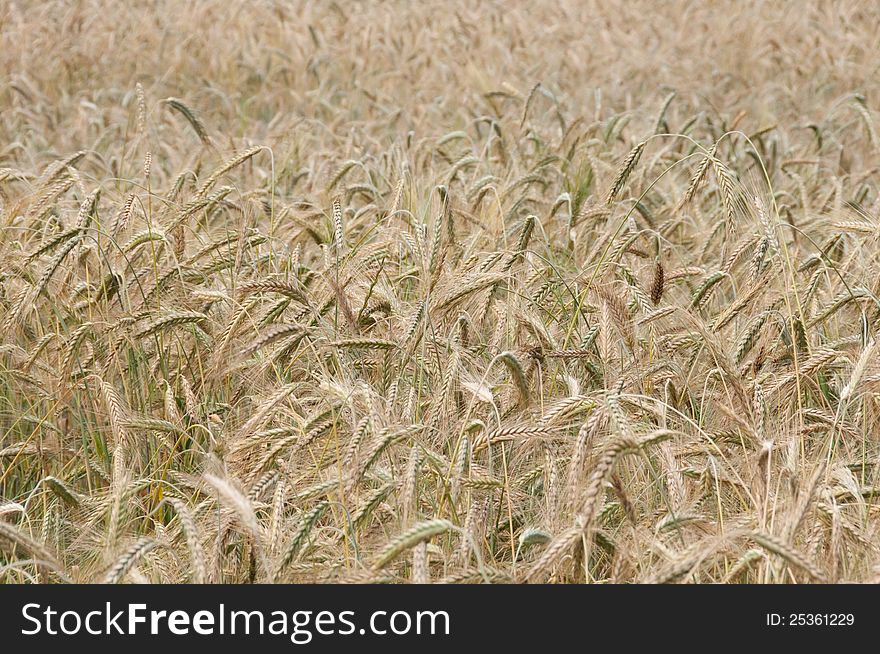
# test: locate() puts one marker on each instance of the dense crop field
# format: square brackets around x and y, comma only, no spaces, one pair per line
[467,292]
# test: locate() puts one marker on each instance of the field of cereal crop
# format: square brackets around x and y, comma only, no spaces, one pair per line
[464,292]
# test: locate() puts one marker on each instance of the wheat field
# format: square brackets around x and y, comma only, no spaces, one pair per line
[423,292]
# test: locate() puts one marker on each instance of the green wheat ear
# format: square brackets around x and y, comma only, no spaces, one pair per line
[410,538]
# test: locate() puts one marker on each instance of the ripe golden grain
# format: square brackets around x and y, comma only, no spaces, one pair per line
[456,318]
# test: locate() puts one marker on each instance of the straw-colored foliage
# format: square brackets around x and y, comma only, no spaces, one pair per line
[439,292]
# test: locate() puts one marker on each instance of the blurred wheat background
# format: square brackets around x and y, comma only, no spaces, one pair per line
[463,292]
